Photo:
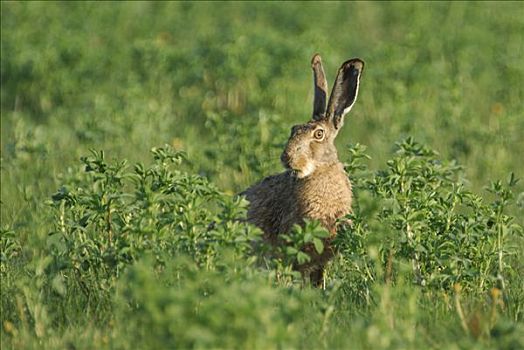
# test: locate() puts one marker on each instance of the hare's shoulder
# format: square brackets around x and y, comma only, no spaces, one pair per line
[270,187]
[272,204]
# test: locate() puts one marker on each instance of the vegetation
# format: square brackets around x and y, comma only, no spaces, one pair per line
[128,128]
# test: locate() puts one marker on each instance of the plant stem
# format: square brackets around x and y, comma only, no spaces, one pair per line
[415,261]
[108,223]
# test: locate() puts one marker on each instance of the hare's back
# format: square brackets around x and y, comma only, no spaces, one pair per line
[271,205]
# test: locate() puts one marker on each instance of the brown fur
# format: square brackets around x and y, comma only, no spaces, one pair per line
[315,185]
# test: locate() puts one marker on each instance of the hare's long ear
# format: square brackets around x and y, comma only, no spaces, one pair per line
[321,89]
[345,91]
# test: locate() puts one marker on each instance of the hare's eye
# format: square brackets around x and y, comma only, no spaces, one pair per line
[319,134]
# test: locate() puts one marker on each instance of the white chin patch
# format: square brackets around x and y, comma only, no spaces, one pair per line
[308,170]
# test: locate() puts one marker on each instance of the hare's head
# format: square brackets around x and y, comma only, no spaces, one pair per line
[312,144]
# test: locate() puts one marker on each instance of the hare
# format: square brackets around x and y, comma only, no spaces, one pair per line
[314,184]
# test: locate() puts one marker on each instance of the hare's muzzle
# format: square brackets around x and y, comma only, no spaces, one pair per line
[299,164]
[285,159]
[289,159]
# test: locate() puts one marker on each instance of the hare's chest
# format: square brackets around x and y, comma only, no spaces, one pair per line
[325,200]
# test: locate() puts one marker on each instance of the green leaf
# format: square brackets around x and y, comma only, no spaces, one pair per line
[291,250]
[321,233]
[319,245]
[308,237]
[303,258]
[58,285]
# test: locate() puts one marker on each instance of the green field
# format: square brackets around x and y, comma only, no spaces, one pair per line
[128,128]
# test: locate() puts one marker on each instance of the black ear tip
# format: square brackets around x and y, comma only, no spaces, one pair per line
[355,63]
[359,64]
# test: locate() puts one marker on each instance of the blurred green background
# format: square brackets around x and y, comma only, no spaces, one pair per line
[226,81]
[126,77]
